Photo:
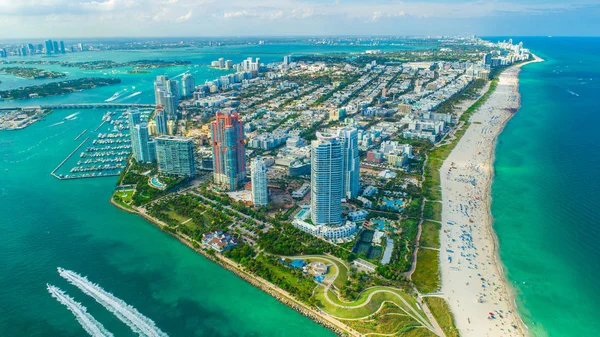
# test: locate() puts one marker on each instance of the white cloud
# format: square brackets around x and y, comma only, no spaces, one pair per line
[248,17]
[185,17]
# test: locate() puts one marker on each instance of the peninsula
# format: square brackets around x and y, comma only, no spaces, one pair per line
[385,250]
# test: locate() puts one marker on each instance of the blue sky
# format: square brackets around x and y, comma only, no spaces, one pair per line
[112,18]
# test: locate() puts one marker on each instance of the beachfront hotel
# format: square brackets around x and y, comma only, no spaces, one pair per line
[229,151]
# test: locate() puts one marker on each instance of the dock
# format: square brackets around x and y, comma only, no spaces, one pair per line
[81,134]
[53,173]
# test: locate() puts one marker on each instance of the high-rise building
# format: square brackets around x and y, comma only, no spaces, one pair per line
[161,119]
[62,47]
[175,155]
[80,46]
[141,145]
[260,189]
[55,47]
[160,89]
[287,60]
[351,161]
[229,151]
[487,59]
[48,45]
[172,87]
[326,180]
[187,86]
[171,106]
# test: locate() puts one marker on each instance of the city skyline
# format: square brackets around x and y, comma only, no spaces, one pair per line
[121,18]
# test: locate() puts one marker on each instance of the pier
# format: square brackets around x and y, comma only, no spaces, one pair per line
[81,134]
[67,158]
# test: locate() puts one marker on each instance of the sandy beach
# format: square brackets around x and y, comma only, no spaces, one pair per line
[473,281]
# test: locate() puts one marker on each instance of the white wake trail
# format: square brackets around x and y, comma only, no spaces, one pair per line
[88,323]
[127,314]
[132,95]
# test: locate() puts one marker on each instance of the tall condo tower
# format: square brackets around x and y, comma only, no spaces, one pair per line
[187,86]
[351,161]
[229,151]
[326,180]
[260,189]
[160,117]
[141,146]
[175,155]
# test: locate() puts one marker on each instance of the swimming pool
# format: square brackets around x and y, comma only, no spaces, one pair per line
[156,183]
[379,224]
[395,204]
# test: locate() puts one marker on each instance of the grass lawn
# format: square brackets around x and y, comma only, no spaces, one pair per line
[433,210]
[389,320]
[123,198]
[177,217]
[440,310]
[126,195]
[427,275]
[358,308]
[430,236]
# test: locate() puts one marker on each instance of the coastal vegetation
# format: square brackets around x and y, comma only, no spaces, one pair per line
[104,64]
[31,73]
[427,274]
[57,88]
[430,236]
[443,315]
[137,175]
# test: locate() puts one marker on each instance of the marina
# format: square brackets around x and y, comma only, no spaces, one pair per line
[102,154]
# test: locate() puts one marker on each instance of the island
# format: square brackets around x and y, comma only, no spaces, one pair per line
[104,64]
[32,73]
[57,88]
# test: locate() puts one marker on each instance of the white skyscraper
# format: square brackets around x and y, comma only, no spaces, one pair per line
[326,180]
[260,189]
[351,161]
[187,86]
[141,145]
[171,106]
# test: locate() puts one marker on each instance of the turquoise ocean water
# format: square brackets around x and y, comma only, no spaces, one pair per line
[545,192]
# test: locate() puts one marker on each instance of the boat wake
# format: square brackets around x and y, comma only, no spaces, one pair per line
[55,124]
[132,95]
[116,95]
[87,321]
[127,314]
[573,93]
[71,116]
[183,73]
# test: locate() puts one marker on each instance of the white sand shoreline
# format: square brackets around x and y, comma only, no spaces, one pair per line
[473,279]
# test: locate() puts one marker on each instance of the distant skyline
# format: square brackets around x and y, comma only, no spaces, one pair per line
[197,18]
